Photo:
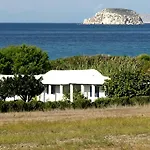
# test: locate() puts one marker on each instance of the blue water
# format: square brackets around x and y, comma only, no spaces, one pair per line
[63,40]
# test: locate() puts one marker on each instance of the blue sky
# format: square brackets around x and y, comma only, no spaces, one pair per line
[63,10]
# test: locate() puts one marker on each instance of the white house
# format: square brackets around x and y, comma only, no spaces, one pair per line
[57,82]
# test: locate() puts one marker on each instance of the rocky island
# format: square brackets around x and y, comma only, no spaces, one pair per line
[145,18]
[115,16]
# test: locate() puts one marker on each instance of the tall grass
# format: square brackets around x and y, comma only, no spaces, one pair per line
[107,65]
[86,133]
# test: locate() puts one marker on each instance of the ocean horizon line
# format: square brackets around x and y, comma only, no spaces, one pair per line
[71,23]
[41,22]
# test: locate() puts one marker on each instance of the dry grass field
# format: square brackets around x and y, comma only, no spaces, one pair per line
[91,129]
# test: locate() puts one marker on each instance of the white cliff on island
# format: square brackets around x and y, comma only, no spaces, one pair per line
[115,16]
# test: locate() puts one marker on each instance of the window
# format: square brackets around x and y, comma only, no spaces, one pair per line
[90,91]
[53,89]
[47,89]
[96,91]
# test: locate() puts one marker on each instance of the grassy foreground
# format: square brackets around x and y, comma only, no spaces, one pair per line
[113,128]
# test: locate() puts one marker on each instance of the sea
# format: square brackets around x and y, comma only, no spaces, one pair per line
[62,40]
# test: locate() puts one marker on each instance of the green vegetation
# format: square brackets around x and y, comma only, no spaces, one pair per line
[107,65]
[5,64]
[27,87]
[6,88]
[130,76]
[74,128]
[129,84]
[79,100]
[23,60]
[21,106]
[88,129]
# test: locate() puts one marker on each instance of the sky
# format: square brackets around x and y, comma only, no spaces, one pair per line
[63,11]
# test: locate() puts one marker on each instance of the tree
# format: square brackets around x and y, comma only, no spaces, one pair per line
[6,88]
[28,86]
[5,64]
[129,84]
[25,60]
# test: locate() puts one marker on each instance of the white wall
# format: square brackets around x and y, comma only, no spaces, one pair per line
[57,96]
[87,91]
[53,97]
[13,98]
[89,95]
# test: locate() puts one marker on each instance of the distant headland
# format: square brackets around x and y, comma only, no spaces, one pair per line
[115,16]
[145,18]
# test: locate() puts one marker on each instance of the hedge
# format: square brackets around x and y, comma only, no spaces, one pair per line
[122,101]
[20,106]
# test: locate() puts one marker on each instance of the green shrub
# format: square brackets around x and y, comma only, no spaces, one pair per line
[81,104]
[57,105]
[102,102]
[145,57]
[64,104]
[80,101]
[35,106]
[118,101]
[122,101]
[48,105]
[1,103]
[18,106]
[141,100]
[6,106]
[51,105]
[107,65]
[12,106]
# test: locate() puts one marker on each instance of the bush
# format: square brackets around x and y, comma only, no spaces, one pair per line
[78,103]
[119,101]
[7,106]
[1,103]
[141,100]
[52,105]
[13,106]
[18,106]
[64,104]
[81,104]
[145,57]
[48,106]
[35,106]
[102,102]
